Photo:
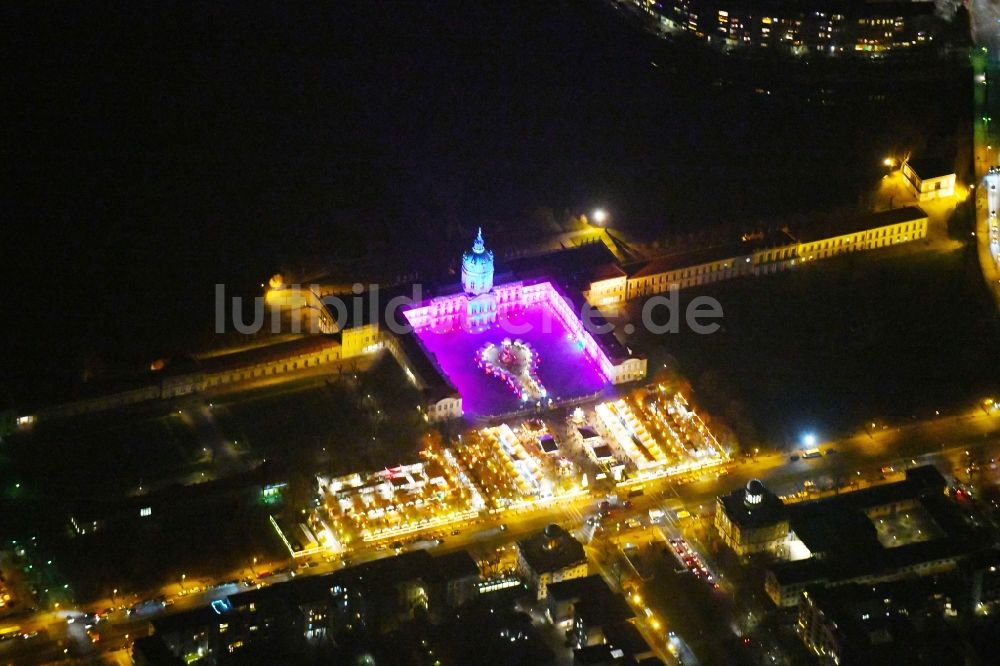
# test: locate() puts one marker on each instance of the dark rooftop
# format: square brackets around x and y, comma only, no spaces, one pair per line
[305,344]
[601,654]
[455,565]
[190,620]
[602,610]
[178,497]
[577,267]
[886,561]
[154,652]
[809,570]
[753,242]
[768,511]
[626,636]
[925,480]
[826,526]
[603,451]
[427,371]
[844,541]
[572,590]
[551,552]
[931,167]
[382,573]
[820,516]
[874,623]
[607,272]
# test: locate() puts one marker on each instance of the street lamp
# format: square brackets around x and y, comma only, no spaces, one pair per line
[600,216]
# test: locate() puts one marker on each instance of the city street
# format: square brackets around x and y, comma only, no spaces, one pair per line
[859,459]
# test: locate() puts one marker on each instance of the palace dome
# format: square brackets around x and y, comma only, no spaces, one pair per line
[477,268]
[755,491]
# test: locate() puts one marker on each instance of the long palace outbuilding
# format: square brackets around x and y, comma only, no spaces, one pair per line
[759,253]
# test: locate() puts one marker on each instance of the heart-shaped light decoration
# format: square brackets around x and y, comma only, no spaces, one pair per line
[514,363]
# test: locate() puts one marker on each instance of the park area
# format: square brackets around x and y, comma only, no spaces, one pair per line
[337,424]
[133,497]
[105,455]
[828,347]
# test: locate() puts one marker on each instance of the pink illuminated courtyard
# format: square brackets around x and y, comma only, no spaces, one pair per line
[569,362]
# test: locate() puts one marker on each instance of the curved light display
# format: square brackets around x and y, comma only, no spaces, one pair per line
[515,364]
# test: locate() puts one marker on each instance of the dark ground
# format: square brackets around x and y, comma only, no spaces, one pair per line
[151,152]
[834,345]
[89,466]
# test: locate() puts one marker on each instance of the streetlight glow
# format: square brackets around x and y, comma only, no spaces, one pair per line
[599,215]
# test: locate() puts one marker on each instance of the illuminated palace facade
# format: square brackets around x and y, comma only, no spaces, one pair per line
[499,348]
[482,346]
[757,254]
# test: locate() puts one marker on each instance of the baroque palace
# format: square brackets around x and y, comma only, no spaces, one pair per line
[555,288]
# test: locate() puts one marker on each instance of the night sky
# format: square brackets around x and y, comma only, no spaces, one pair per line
[151,151]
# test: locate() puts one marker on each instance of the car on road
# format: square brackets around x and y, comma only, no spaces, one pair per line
[692,561]
[10,632]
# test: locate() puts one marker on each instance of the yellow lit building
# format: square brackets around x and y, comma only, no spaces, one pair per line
[762,253]
[360,340]
[608,286]
[752,520]
[551,556]
[929,179]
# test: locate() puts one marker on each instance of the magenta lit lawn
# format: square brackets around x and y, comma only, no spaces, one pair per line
[564,368]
